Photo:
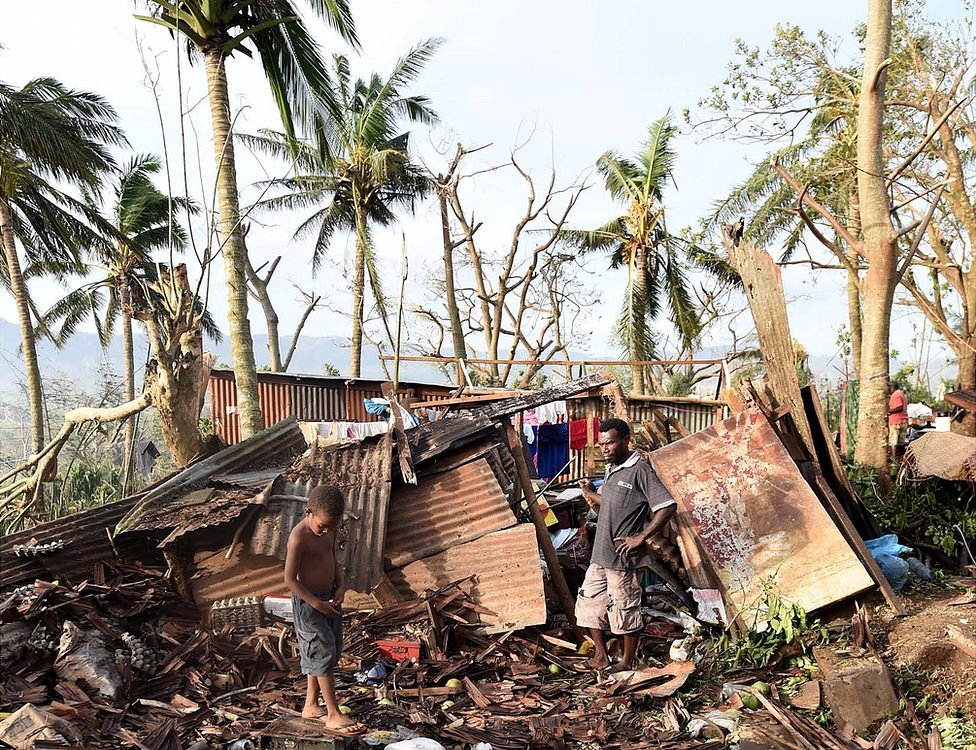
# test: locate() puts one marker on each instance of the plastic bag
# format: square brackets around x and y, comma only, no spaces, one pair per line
[886,550]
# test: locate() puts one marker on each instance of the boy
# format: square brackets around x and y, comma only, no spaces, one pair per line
[312,575]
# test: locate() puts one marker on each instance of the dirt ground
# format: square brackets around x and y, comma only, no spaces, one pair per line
[928,665]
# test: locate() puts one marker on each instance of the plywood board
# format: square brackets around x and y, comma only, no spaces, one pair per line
[507,577]
[756,518]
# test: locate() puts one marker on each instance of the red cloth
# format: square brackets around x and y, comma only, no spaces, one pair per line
[899,402]
[577,433]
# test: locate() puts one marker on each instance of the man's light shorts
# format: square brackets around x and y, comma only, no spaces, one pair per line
[610,600]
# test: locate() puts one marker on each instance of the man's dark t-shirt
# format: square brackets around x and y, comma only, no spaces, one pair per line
[631,492]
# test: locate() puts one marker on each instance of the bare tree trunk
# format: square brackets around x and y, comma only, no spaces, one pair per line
[18,288]
[232,243]
[259,288]
[638,373]
[177,376]
[967,382]
[854,284]
[129,432]
[358,298]
[453,314]
[878,286]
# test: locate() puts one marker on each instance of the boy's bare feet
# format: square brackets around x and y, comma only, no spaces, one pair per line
[599,663]
[342,724]
[313,712]
[621,667]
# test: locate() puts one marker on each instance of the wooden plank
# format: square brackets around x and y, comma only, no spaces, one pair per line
[386,594]
[566,600]
[756,518]
[854,539]
[403,449]
[833,468]
[762,282]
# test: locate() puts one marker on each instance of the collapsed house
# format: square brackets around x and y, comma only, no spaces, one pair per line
[444,501]
[447,541]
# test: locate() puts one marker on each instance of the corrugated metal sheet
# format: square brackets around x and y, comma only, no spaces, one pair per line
[963,399]
[443,510]
[431,439]
[362,471]
[88,535]
[309,398]
[250,479]
[507,576]
[276,445]
[243,574]
[694,416]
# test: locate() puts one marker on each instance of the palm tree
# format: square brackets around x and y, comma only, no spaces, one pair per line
[140,222]
[51,138]
[639,240]
[357,180]
[299,81]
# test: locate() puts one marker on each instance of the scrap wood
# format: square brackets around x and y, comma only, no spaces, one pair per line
[658,682]
[962,640]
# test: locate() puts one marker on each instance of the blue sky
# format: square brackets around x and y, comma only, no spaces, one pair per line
[583,76]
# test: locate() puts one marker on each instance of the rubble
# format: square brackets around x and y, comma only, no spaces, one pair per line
[452,636]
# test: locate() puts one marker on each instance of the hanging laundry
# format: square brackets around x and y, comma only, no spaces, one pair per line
[378,406]
[362,430]
[577,433]
[528,433]
[553,451]
[529,417]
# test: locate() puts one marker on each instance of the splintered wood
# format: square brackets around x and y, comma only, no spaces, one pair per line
[183,683]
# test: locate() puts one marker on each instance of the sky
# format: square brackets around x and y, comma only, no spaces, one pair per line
[580,77]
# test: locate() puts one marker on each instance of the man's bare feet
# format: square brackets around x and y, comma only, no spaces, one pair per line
[599,663]
[621,667]
[313,712]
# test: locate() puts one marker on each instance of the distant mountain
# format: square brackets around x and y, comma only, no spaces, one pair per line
[82,357]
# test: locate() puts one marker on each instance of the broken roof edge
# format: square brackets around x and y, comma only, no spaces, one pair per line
[279,439]
[532,399]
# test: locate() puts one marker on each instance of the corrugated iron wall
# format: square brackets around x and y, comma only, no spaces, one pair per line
[308,398]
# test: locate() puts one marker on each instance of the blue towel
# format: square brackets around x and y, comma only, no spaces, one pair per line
[553,450]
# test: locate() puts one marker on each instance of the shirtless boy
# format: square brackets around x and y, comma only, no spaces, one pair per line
[312,575]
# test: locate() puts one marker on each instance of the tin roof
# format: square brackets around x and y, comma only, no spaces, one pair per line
[507,576]
[274,446]
[86,532]
[362,471]
[963,399]
[453,507]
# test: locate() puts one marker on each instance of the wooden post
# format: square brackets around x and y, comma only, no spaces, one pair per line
[541,532]
[762,282]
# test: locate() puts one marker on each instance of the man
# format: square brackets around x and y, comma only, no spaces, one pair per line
[897,420]
[632,507]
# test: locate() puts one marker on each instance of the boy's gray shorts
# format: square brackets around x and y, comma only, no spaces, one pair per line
[319,636]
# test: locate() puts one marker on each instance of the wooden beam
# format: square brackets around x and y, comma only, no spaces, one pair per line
[853,538]
[566,600]
[403,450]
[763,284]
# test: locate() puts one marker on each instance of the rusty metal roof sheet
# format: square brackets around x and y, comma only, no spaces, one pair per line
[362,471]
[275,445]
[507,576]
[249,479]
[443,510]
[963,399]
[508,407]
[87,533]
[431,439]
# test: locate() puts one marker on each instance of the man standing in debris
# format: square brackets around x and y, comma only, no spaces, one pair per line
[897,420]
[313,576]
[632,506]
